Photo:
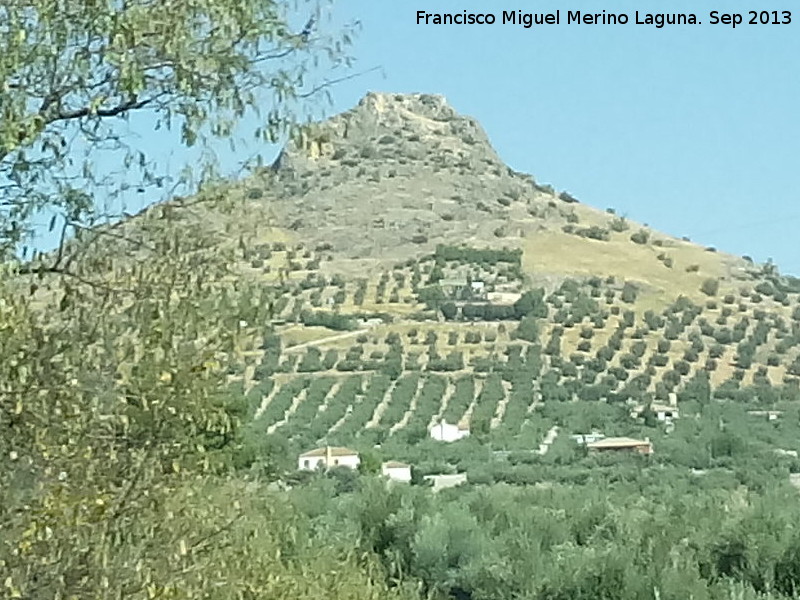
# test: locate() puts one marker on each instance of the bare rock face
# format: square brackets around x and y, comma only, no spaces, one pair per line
[400,172]
[393,126]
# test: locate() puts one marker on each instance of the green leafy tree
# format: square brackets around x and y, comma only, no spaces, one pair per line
[449,310]
[528,329]
[531,303]
[431,296]
[114,359]
[115,406]
[629,292]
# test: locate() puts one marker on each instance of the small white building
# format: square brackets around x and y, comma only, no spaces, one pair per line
[396,471]
[587,438]
[663,412]
[441,482]
[772,415]
[444,432]
[327,458]
[782,452]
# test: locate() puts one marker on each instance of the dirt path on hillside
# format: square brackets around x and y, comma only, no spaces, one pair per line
[500,409]
[451,387]
[296,401]
[332,338]
[378,412]
[549,438]
[466,419]
[410,411]
[266,400]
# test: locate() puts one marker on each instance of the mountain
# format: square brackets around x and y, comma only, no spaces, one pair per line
[400,257]
[398,174]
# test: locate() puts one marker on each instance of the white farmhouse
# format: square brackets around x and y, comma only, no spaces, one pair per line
[444,432]
[441,482]
[327,458]
[587,438]
[396,471]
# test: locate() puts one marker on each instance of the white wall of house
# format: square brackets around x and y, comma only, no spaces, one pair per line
[444,432]
[397,473]
[441,482]
[587,438]
[311,463]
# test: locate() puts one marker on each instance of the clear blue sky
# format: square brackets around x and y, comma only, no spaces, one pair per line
[694,130]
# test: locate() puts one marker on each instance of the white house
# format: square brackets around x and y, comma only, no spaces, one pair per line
[587,438]
[663,412]
[772,415]
[396,471]
[444,432]
[441,482]
[478,289]
[328,457]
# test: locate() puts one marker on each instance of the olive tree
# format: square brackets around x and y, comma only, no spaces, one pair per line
[115,405]
[75,74]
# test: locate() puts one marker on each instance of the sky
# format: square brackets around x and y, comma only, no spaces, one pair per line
[692,129]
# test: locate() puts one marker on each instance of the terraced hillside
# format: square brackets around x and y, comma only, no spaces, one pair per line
[430,345]
[410,276]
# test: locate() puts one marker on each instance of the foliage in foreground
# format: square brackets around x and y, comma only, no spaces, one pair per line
[118,433]
[636,532]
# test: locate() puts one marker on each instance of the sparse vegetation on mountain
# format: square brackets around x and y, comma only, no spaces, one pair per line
[640,237]
[710,287]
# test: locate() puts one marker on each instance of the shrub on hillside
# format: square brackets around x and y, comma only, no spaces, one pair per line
[710,286]
[629,292]
[567,197]
[619,224]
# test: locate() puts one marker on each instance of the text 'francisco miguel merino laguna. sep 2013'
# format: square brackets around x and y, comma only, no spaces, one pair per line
[579,17]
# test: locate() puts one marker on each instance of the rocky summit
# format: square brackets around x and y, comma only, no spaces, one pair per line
[403,171]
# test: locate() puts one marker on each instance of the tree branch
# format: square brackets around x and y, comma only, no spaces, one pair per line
[331,82]
[85,111]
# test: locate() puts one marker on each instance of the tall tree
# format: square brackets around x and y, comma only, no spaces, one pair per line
[115,412]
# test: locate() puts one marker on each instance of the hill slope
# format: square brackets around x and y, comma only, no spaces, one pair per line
[400,254]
